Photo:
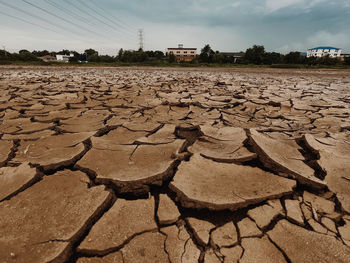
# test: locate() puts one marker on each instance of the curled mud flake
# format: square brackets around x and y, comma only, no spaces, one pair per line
[202,183]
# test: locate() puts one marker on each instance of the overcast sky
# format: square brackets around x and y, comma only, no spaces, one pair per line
[227,25]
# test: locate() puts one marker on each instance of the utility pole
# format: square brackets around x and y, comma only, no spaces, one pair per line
[141,38]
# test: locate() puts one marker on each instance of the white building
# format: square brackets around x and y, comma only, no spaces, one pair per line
[318,52]
[183,54]
[64,58]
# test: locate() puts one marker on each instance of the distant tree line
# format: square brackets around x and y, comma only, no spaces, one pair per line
[91,55]
[256,55]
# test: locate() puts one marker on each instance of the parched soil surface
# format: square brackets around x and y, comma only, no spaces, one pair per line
[174,165]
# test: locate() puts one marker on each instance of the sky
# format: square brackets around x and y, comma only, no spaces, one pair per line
[227,25]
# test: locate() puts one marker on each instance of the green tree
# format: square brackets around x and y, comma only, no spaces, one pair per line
[74,59]
[64,52]
[293,58]
[255,55]
[94,58]
[40,53]
[347,60]
[217,58]
[311,61]
[25,55]
[272,58]
[23,51]
[328,61]
[171,58]
[90,52]
[206,55]
[158,54]
[107,59]
[120,54]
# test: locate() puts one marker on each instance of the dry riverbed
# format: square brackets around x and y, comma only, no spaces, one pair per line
[174,165]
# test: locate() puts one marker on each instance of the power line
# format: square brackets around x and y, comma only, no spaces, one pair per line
[100,20]
[117,19]
[28,22]
[63,9]
[63,19]
[75,35]
[37,25]
[57,25]
[79,9]
[119,24]
[37,17]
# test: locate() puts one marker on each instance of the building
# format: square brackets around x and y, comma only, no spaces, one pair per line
[233,55]
[318,52]
[343,56]
[64,58]
[183,54]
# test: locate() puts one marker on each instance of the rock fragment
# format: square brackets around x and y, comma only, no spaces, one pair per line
[282,157]
[329,224]
[307,212]
[344,232]
[223,145]
[237,135]
[168,212]
[165,135]
[320,204]
[121,223]
[120,136]
[191,254]
[48,217]
[88,122]
[294,211]
[201,229]
[232,255]
[225,235]
[23,126]
[14,179]
[335,161]
[260,250]
[116,257]
[5,151]
[131,168]
[30,136]
[52,152]
[247,228]
[301,245]
[317,227]
[147,248]
[263,215]
[222,151]
[211,257]
[176,239]
[202,183]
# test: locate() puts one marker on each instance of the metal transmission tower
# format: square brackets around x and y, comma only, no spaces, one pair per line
[141,38]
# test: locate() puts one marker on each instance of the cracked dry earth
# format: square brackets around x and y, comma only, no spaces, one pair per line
[151,165]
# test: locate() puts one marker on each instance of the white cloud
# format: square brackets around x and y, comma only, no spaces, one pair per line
[274,5]
[236,4]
